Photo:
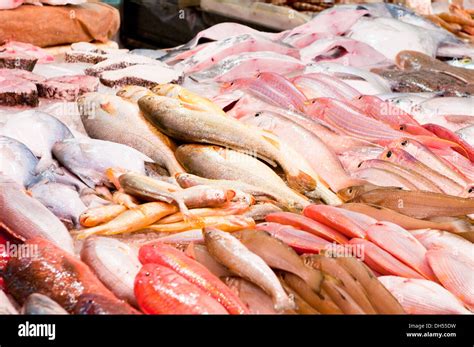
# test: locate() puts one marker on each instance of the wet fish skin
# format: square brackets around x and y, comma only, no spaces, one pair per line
[278,255]
[114,263]
[409,223]
[219,163]
[160,290]
[39,304]
[438,239]
[99,215]
[233,254]
[177,120]
[419,205]
[26,218]
[202,256]
[97,304]
[6,306]
[258,212]
[39,131]
[108,117]
[89,159]
[194,272]
[228,223]
[17,161]
[257,301]
[52,272]
[62,200]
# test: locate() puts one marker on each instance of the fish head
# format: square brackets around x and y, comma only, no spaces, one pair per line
[350,193]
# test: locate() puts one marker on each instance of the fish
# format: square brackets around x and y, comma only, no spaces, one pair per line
[130,220]
[178,121]
[89,159]
[201,255]
[272,88]
[409,223]
[107,117]
[403,158]
[439,239]
[216,51]
[230,252]
[97,304]
[420,296]
[228,209]
[419,204]
[39,131]
[349,223]
[342,50]
[353,287]
[254,298]
[412,60]
[454,271]
[227,223]
[319,156]
[99,215]
[194,272]
[430,159]
[6,305]
[382,261]
[148,189]
[380,298]
[64,201]
[25,217]
[248,64]
[114,263]
[17,161]
[402,245]
[383,178]
[464,148]
[320,301]
[160,290]
[39,304]
[302,307]
[259,211]
[339,295]
[178,92]
[316,85]
[278,255]
[307,224]
[425,81]
[414,178]
[55,273]
[467,134]
[219,163]
[301,241]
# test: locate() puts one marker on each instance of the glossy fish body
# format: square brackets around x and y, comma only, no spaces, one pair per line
[233,254]
[108,117]
[17,161]
[160,253]
[39,304]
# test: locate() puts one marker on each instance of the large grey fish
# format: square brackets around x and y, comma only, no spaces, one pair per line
[39,131]
[17,161]
[114,263]
[26,218]
[230,252]
[112,118]
[224,164]
[39,304]
[63,200]
[181,121]
[89,159]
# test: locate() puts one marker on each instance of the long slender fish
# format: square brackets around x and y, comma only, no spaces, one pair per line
[219,163]
[181,121]
[232,253]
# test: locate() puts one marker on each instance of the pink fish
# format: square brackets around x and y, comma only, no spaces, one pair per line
[402,245]
[455,272]
[307,224]
[313,86]
[349,223]
[381,261]
[342,50]
[383,178]
[466,149]
[438,239]
[301,241]
[419,296]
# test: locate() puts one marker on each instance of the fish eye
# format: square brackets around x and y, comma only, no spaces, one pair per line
[402,127]
[258,114]
[404,143]
[471,190]
[360,164]
[389,154]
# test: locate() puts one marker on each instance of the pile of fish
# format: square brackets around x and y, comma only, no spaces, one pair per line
[320,170]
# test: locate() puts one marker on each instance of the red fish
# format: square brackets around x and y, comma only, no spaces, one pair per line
[160,290]
[349,223]
[165,255]
[307,224]
[301,241]
[383,262]
[442,132]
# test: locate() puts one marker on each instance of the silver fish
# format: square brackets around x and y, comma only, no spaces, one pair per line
[39,304]
[17,161]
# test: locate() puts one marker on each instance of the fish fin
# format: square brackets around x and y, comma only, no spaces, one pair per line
[302,182]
